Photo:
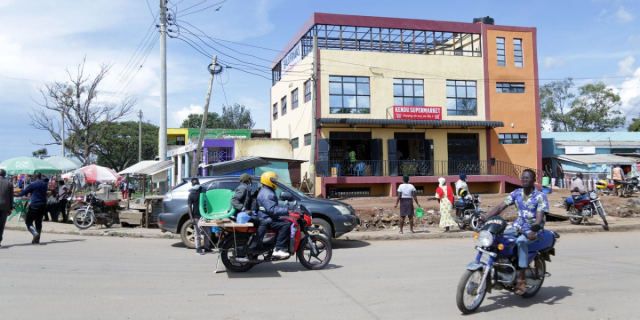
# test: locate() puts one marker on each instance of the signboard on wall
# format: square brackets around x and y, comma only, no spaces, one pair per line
[417,113]
[580,150]
[292,58]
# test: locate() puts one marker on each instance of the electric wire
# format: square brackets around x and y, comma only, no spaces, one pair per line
[205,8]
[150,11]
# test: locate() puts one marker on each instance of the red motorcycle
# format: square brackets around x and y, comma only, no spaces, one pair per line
[583,207]
[313,251]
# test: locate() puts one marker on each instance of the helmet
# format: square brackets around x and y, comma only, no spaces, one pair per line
[463,176]
[462,193]
[267,179]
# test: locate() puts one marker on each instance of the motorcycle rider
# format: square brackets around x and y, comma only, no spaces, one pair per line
[270,212]
[242,201]
[617,175]
[462,184]
[577,185]
[531,205]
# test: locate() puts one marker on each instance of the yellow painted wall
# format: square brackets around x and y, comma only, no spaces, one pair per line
[173,133]
[274,148]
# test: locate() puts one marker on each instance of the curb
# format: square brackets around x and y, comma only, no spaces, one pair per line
[105,233]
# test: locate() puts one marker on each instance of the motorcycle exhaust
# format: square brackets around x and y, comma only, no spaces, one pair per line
[574,216]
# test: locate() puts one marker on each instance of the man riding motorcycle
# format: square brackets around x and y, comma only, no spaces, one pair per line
[269,215]
[461,184]
[577,185]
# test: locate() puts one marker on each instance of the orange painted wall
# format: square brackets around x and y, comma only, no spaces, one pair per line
[518,109]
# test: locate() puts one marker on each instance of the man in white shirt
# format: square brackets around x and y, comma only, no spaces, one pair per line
[461,184]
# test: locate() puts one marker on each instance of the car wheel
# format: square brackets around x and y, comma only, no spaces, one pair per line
[322,225]
[188,234]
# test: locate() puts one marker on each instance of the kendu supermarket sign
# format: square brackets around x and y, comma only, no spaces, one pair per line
[417,113]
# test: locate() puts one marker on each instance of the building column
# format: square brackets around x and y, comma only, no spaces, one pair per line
[179,178]
[175,174]
[187,169]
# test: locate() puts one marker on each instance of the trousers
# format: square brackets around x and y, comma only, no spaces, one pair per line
[62,209]
[198,232]
[3,221]
[523,246]
[35,214]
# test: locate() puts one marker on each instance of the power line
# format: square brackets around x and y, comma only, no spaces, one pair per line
[205,8]
[150,11]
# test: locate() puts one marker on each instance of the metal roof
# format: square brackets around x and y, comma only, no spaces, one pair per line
[148,167]
[596,159]
[592,136]
[600,144]
[235,165]
[412,123]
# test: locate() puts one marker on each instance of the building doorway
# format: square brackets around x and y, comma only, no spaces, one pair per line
[464,153]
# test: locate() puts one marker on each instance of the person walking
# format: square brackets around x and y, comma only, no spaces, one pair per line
[125,188]
[37,207]
[63,192]
[444,195]
[6,200]
[406,196]
[617,175]
[193,204]
[560,175]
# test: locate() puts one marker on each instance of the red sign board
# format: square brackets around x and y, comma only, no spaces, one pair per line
[417,113]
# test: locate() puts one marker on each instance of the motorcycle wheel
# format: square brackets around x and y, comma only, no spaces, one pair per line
[83,219]
[319,261]
[603,217]
[475,221]
[574,211]
[468,297]
[229,252]
[539,269]
[109,220]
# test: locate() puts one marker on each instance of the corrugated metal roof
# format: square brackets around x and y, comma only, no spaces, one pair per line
[411,123]
[604,144]
[148,167]
[596,159]
[592,136]
[235,165]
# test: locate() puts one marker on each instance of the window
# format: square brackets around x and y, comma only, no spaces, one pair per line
[408,92]
[307,91]
[294,99]
[283,102]
[294,143]
[461,98]
[512,138]
[509,87]
[307,139]
[275,111]
[517,52]
[500,51]
[348,94]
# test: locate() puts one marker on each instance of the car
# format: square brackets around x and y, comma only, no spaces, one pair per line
[333,217]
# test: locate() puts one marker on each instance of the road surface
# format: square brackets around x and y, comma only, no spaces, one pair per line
[594,276]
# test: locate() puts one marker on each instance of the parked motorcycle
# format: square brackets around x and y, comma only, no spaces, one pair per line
[496,265]
[96,211]
[467,212]
[627,188]
[583,207]
[313,251]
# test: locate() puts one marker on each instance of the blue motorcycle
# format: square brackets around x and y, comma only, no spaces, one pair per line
[496,265]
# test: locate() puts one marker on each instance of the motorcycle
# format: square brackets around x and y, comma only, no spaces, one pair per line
[605,188]
[499,268]
[313,251]
[627,188]
[96,211]
[583,207]
[467,212]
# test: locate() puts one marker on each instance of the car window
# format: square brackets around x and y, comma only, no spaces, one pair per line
[209,185]
[228,185]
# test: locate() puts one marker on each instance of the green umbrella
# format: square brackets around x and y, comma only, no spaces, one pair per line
[62,163]
[27,165]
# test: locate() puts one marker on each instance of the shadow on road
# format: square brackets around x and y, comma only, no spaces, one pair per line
[272,270]
[43,243]
[349,244]
[546,295]
[178,245]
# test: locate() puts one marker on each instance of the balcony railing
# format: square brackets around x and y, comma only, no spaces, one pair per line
[386,168]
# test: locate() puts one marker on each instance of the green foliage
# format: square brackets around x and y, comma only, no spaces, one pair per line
[635,126]
[118,147]
[194,121]
[595,108]
[237,117]
[40,152]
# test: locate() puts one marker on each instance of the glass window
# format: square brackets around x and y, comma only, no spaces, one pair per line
[500,52]
[307,139]
[294,99]
[408,92]
[307,91]
[294,143]
[461,98]
[349,94]
[283,102]
[512,138]
[510,87]
[517,52]
[275,111]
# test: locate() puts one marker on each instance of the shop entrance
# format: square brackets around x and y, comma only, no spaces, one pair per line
[410,153]
[464,153]
[335,152]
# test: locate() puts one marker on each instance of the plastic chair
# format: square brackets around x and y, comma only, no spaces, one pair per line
[218,204]
[360,168]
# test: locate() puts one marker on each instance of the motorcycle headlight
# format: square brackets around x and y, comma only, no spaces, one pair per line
[593,195]
[485,238]
[343,210]
[479,199]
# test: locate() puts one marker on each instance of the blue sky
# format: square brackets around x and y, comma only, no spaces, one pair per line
[591,41]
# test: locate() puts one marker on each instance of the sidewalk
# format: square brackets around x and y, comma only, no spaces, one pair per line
[595,225]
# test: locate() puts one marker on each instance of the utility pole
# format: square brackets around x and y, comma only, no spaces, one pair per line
[162,148]
[203,126]
[314,117]
[140,136]
[64,110]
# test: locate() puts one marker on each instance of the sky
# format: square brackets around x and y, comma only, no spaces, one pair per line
[589,40]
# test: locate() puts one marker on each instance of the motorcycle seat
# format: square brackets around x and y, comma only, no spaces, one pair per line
[544,243]
[109,203]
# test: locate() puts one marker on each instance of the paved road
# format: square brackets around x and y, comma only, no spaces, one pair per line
[594,276]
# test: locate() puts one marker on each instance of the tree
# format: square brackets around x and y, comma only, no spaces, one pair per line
[85,118]
[595,108]
[194,121]
[635,125]
[40,152]
[236,117]
[117,148]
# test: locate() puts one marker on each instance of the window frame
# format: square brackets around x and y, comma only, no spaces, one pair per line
[356,81]
[283,105]
[501,52]
[510,87]
[503,139]
[308,135]
[455,85]
[295,143]
[517,53]
[275,111]
[294,99]
[307,91]
[413,84]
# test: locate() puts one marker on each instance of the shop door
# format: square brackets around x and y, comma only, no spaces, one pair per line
[463,152]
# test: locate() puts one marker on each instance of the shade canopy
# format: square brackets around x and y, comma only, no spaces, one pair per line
[27,165]
[63,163]
[93,174]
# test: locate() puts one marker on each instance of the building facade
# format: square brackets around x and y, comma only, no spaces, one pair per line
[404,96]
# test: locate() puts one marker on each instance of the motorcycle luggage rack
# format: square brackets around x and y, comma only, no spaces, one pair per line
[222,223]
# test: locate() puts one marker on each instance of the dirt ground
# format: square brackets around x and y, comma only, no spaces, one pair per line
[378,213]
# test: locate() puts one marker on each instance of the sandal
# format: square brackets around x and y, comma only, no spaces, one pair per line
[520,286]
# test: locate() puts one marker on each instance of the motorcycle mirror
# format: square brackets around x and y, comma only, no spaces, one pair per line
[536,227]
[286,196]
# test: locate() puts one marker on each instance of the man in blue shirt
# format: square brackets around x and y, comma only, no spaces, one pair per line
[270,213]
[37,207]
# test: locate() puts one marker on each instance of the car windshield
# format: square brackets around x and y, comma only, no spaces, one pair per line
[291,189]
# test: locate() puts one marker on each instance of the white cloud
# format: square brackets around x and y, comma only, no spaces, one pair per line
[625,66]
[550,62]
[602,13]
[179,116]
[629,92]
[623,15]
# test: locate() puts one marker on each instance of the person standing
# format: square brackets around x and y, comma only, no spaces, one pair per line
[125,188]
[63,192]
[560,175]
[617,174]
[406,196]
[6,200]
[444,195]
[193,204]
[37,207]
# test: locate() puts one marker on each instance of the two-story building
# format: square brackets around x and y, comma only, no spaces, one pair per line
[406,96]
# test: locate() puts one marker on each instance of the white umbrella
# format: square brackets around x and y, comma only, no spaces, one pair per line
[62,163]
